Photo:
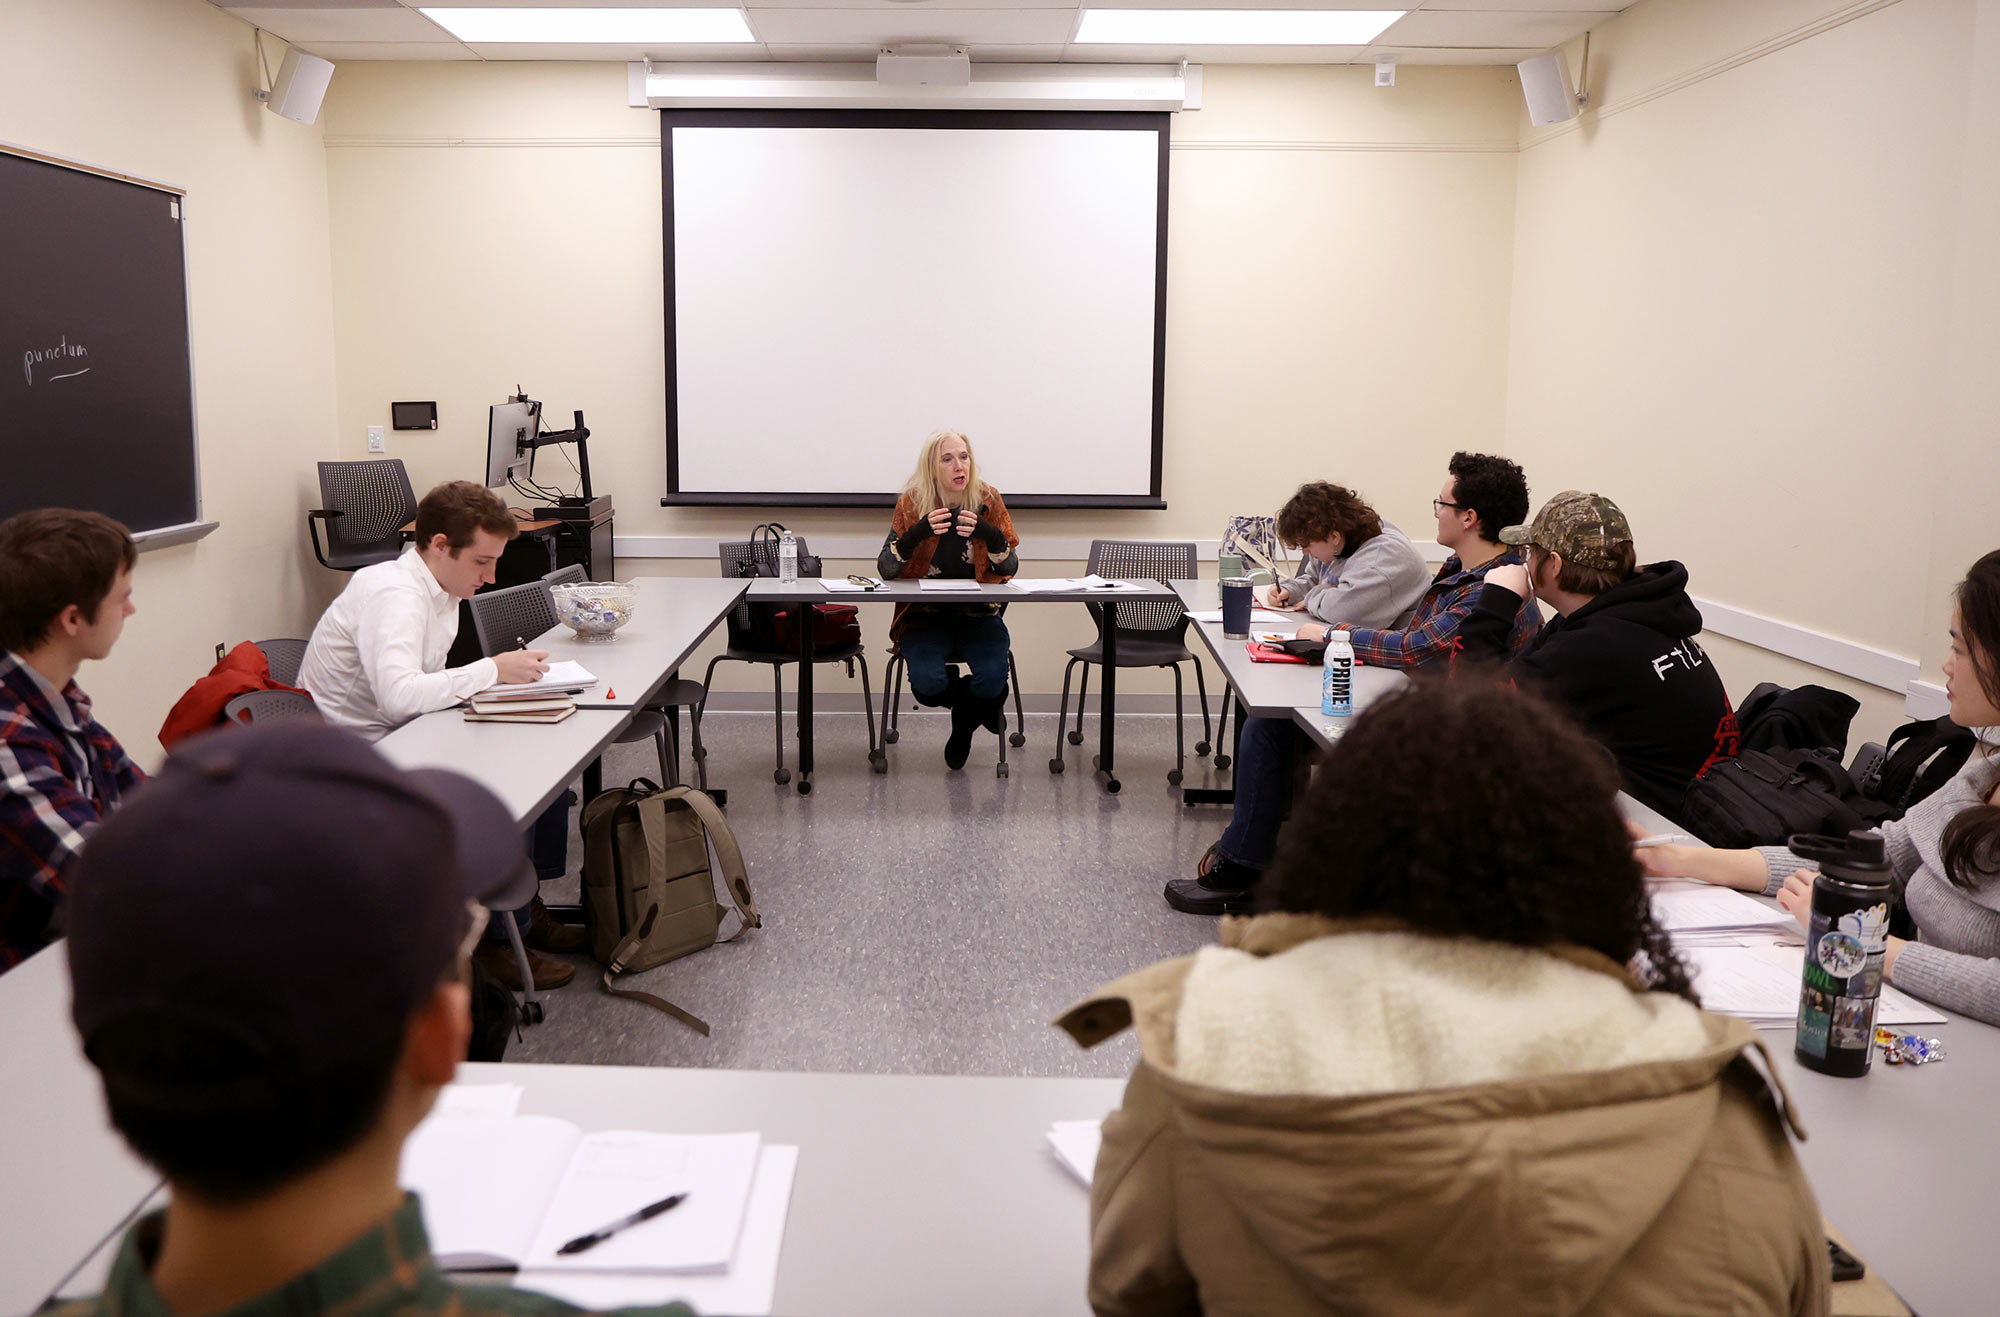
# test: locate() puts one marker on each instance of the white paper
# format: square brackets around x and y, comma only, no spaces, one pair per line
[844,586]
[1042,584]
[948,583]
[1259,617]
[616,1172]
[495,1101]
[486,1182]
[1701,906]
[746,1288]
[1096,582]
[1761,984]
[563,675]
[1076,1143]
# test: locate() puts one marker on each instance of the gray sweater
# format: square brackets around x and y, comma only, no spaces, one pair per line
[1377,586]
[1956,960]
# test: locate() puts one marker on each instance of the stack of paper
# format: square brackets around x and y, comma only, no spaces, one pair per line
[1697,914]
[952,583]
[1761,984]
[563,678]
[541,709]
[1259,617]
[1053,584]
[501,1191]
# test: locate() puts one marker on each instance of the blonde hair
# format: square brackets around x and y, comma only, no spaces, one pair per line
[923,487]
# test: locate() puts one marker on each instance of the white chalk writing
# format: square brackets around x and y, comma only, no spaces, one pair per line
[63,352]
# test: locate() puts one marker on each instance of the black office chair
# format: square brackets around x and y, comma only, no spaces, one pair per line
[366,506]
[501,617]
[1150,635]
[737,558]
[677,693]
[892,700]
[254,708]
[284,657]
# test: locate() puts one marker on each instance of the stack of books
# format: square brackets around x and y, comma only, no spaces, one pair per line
[549,700]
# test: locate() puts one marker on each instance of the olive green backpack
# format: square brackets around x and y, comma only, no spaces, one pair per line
[649,860]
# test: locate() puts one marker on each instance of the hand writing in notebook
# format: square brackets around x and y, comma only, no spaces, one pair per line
[524,664]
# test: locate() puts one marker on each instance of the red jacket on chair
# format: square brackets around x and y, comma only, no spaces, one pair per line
[242,670]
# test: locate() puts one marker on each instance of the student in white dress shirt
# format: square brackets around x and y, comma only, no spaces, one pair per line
[376,660]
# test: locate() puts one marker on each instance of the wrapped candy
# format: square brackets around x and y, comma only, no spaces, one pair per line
[1908,1048]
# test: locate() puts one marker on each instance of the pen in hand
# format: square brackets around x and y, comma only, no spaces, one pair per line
[602,1233]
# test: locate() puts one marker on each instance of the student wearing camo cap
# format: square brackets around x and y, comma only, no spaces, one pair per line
[268,956]
[1620,654]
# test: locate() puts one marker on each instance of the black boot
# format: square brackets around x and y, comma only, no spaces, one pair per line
[964,722]
[993,713]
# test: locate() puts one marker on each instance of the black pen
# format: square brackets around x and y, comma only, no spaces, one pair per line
[602,1233]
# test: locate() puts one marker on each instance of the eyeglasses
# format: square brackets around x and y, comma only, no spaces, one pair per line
[1439,505]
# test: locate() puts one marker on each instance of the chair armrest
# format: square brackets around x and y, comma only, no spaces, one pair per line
[312,532]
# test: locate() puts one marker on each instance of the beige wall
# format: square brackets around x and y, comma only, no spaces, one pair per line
[1741,306]
[1338,272]
[179,110]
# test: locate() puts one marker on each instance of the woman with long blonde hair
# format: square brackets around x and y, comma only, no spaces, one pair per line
[951,524]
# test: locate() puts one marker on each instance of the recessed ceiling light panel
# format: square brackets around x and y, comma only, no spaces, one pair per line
[607,27]
[1234,27]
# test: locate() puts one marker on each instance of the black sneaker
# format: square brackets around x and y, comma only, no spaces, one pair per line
[1190,896]
[964,722]
[993,713]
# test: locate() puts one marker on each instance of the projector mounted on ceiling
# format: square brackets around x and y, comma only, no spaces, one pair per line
[923,66]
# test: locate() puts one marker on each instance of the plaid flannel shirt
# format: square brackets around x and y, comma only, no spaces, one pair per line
[60,771]
[1433,633]
[387,1272]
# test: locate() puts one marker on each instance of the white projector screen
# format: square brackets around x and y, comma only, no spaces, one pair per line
[841,283]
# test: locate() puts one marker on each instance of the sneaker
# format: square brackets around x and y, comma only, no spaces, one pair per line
[964,722]
[1190,896]
[547,933]
[497,959]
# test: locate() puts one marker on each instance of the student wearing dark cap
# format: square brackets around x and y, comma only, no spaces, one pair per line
[268,956]
[1620,655]
[65,592]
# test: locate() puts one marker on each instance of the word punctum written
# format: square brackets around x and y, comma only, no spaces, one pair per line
[64,353]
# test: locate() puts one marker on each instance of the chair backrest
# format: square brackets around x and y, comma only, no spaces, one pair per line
[375,502]
[570,575]
[1146,560]
[284,657]
[519,612]
[271,706]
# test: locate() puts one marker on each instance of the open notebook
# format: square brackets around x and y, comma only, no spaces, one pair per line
[564,677]
[507,1192]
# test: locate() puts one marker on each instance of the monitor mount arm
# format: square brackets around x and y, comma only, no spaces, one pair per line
[577,435]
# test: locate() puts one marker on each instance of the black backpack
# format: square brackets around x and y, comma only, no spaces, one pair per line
[1802,718]
[1762,799]
[1920,757]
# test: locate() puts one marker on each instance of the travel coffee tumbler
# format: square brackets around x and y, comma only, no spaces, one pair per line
[1236,608]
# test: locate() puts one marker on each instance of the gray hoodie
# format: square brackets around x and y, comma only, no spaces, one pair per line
[1376,586]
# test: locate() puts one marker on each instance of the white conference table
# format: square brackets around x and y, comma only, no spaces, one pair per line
[671,616]
[811,590]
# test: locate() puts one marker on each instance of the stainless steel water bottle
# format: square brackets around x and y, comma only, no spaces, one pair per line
[1847,936]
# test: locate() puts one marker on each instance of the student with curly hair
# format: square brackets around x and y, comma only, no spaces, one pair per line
[1357,568]
[1481,495]
[1945,852]
[1453,1066]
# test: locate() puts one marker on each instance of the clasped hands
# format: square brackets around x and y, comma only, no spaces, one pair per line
[942,521]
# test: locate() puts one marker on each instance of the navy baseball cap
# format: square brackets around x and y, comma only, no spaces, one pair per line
[286,889]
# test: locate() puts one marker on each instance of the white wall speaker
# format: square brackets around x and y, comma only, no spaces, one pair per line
[300,87]
[1546,85]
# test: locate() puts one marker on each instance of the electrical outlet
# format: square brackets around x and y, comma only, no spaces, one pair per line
[376,443]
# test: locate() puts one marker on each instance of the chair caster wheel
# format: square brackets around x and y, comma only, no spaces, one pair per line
[1201,749]
[1000,770]
[1076,738]
[880,763]
[1017,740]
[1222,761]
[531,1012]
[805,786]
[891,736]
[782,776]
[1112,785]
[1055,765]
[1173,777]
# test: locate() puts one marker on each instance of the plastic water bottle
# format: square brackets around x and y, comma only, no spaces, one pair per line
[1844,951]
[788,559]
[1336,692]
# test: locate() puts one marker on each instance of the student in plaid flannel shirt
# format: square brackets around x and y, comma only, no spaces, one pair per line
[65,592]
[1482,494]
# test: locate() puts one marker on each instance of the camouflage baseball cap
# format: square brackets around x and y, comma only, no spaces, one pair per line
[1582,527]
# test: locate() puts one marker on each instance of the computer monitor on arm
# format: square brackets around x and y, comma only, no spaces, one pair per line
[510,439]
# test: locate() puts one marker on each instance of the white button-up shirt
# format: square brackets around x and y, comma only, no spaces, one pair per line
[376,659]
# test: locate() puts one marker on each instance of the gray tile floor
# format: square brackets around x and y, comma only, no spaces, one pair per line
[922,922]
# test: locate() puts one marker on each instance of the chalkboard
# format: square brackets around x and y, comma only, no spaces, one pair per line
[96,380]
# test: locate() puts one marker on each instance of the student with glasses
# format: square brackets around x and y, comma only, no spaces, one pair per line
[1481,494]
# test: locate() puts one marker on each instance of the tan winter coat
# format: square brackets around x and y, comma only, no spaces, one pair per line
[1357,1173]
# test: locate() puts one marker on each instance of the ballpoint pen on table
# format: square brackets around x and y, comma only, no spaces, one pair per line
[602,1233]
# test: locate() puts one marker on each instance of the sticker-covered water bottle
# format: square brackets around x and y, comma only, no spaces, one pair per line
[1336,692]
[1845,943]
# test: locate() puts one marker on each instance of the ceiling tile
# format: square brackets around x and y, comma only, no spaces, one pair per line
[932,6]
[736,52]
[1093,54]
[1426,27]
[321,24]
[238,6]
[1475,55]
[1491,6]
[858,54]
[367,50]
[959,27]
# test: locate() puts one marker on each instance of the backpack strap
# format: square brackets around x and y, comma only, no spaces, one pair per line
[727,853]
[617,967]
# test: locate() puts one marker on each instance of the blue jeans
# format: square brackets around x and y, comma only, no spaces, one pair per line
[1264,765]
[978,640]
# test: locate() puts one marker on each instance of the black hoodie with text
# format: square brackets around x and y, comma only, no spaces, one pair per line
[1627,666]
